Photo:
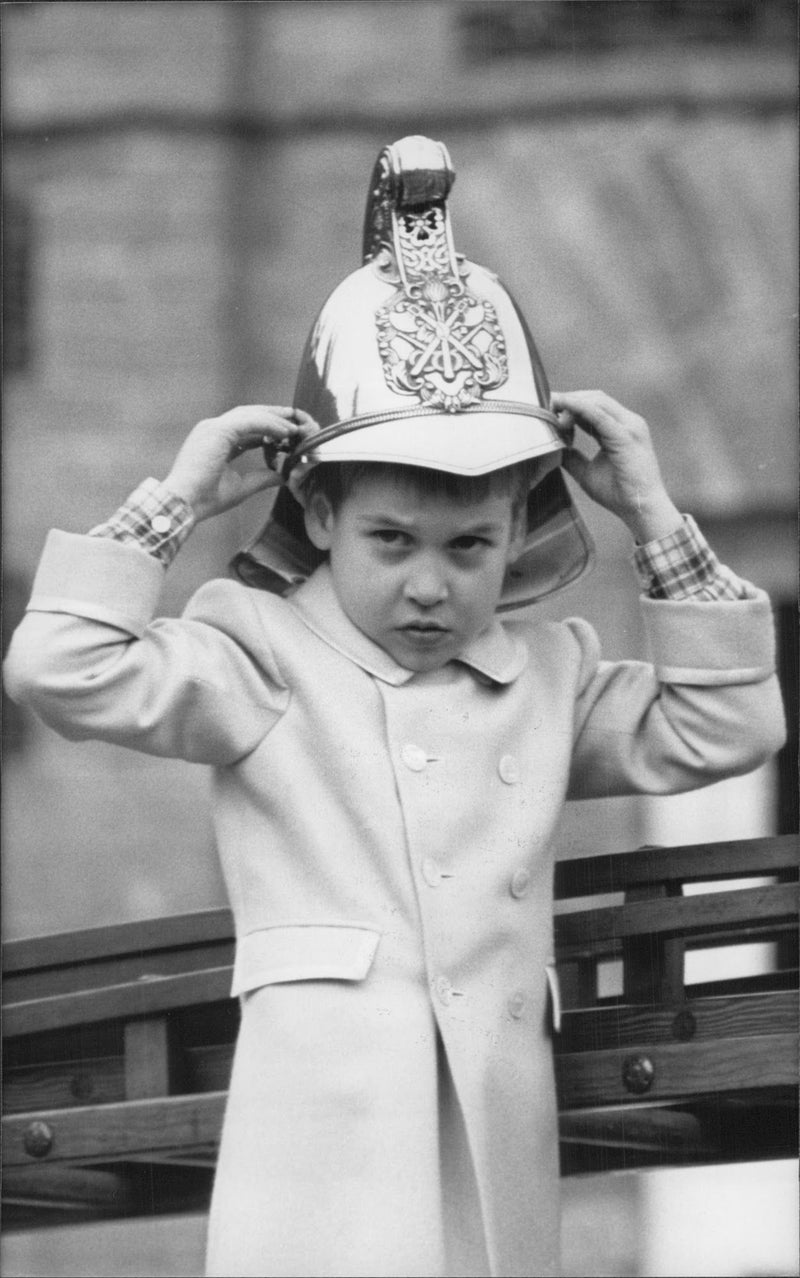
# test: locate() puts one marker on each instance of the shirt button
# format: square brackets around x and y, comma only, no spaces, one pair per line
[516,1005]
[414,757]
[444,990]
[161,523]
[431,872]
[508,769]
[520,883]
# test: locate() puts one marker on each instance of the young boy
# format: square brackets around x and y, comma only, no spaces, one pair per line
[390,761]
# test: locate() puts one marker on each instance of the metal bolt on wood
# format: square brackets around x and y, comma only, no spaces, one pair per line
[638,1073]
[38,1139]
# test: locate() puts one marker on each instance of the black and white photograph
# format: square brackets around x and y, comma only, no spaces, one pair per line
[400,641]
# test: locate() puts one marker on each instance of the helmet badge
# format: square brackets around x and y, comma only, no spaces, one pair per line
[436,339]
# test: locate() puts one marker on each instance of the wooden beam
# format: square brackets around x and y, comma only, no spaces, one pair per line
[679,1069]
[63,1188]
[653,1129]
[698,1019]
[749,910]
[110,1133]
[87,1080]
[111,1002]
[618,871]
[117,939]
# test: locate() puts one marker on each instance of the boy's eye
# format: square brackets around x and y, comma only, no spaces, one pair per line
[390,536]
[468,542]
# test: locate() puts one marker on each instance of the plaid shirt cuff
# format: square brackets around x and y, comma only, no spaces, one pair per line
[683,566]
[152,518]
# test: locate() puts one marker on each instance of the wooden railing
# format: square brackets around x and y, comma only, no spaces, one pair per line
[117,1041]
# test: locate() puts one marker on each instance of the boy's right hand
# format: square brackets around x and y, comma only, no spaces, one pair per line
[203,474]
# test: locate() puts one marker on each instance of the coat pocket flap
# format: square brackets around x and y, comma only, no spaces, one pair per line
[555,994]
[303,952]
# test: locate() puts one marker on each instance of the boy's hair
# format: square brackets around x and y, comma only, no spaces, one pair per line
[337,480]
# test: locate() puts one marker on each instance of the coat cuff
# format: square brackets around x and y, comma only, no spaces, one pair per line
[710,644]
[97,578]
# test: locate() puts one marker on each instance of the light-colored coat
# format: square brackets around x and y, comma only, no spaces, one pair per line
[385,839]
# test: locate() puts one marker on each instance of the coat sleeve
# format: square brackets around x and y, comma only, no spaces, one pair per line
[90,661]
[707,707]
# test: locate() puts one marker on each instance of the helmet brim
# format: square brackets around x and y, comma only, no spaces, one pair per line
[460,443]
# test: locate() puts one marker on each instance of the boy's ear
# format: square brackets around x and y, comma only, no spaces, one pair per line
[319,519]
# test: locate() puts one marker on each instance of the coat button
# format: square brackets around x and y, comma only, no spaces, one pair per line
[444,990]
[414,757]
[508,769]
[516,1005]
[520,883]
[431,872]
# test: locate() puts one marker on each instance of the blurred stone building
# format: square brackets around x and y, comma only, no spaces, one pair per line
[184,185]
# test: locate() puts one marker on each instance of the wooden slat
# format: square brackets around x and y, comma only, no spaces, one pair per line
[101,1080]
[618,871]
[64,1084]
[734,1016]
[109,1133]
[677,916]
[681,1070]
[651,1129]
[43,982]
[139,998]
[204,1156]
[117,939]
[62,1188]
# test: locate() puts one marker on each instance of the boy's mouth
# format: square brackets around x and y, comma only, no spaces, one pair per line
[424,631]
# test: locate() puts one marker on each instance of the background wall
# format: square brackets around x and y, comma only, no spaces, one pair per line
[184,184]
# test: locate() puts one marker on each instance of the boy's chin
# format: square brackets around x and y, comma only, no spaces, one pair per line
[421,656]
[421,665]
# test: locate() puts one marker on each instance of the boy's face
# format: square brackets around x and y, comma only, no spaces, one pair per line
[420,575]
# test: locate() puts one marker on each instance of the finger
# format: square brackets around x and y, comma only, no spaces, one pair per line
[577,409]
[256,413]
[248,419]
[599,415]
[251,426]
[572,421]
[305,422]
[588,401]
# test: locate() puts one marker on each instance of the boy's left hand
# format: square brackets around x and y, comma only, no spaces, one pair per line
[623,475]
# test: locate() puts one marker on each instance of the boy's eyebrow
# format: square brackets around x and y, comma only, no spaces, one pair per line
[488,526]
[383,516]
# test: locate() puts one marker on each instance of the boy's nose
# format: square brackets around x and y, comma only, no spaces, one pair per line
[426,587]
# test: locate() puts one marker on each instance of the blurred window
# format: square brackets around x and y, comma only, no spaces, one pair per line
[503,28]
[16,283]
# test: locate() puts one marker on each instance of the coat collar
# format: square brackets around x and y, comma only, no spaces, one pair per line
[495,655]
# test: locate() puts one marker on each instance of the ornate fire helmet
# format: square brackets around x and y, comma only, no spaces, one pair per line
[423,358]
